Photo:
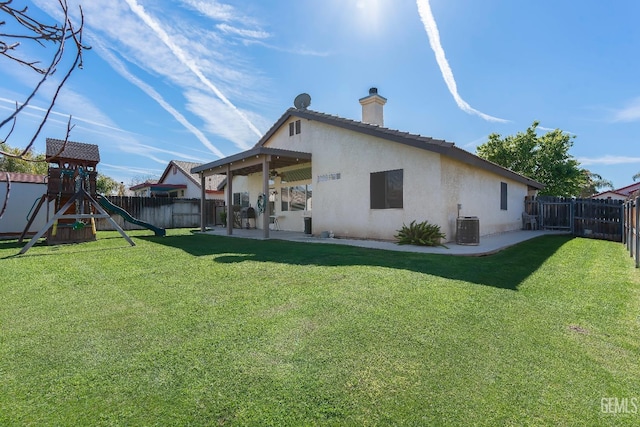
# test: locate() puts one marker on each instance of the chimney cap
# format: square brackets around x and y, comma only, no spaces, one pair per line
[373,91]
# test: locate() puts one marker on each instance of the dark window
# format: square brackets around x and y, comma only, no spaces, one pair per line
[503,196]
[298,126]
[241,199]
[386,189]
[291,128]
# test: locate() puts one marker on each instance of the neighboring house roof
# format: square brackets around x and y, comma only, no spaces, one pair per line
[624,191]
[27,178]
[423,142]
[147,183]
[186,167]
[59,149]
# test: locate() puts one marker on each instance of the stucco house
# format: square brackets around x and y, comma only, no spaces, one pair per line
[178,181]
[619,193]
[359,179]
[25,190]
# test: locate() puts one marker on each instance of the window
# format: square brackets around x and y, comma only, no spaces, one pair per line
[386,189]
[241,199]
[296,198]
[295,127]
[503,196]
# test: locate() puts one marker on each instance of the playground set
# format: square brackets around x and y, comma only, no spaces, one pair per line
[71,189]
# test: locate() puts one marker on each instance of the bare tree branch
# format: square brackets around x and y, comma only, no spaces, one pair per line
[6,199]
[39,32]
[29,29]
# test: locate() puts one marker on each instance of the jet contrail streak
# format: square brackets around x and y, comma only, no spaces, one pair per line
[434,40]
[120,68]
[186,61]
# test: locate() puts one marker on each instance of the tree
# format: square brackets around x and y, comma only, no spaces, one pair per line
[636,176]
[594,183]
[107,185]
[545,159]
[29,162]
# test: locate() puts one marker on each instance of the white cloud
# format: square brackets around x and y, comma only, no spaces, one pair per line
[608,160]
[552,129]
[190,56]
[117,65]
[219,120]
[214,10]
[250,34]
[431,28]
[185,59]
[630,113]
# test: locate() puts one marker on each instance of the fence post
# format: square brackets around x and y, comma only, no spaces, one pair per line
[636,231]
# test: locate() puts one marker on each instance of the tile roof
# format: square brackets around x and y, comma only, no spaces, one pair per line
[423,142]
[624,191]
[72,150]
[27,178]
[210,184]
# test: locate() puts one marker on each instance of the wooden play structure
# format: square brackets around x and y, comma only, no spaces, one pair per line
[71,190]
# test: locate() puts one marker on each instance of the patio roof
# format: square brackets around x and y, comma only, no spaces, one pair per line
[250,161]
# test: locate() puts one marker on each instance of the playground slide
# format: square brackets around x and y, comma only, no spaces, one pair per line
[105,203]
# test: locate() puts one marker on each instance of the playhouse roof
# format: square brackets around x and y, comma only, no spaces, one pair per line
[58,149]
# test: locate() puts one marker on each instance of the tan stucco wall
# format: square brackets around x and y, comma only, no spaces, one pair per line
[433,186]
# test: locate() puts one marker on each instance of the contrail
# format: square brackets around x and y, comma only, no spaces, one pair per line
[186,61]
[117,65]
[434,40]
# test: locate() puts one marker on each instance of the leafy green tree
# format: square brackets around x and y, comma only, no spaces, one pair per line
[29,163]
[545,159]
[594,183]
[636,176]
[106,185]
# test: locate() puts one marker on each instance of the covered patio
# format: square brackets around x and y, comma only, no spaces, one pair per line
[258,159]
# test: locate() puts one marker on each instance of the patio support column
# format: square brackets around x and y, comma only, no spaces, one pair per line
[203,226]
[229,200]
[265,201]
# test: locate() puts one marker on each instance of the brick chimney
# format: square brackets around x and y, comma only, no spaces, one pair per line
[372,107]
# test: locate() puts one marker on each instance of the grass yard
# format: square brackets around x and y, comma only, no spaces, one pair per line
[206,330]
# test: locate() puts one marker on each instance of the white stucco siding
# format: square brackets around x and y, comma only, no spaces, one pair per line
[21,200]
[433,186]
[343,205]
[296,142]
[191,192]
[478,191]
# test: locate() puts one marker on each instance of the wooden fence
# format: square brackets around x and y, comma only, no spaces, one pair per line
[164,212]
[594,218]
[631,232]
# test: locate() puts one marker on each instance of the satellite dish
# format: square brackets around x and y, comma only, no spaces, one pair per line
[302,101]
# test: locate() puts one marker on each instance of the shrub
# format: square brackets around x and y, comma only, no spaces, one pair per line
[421,234]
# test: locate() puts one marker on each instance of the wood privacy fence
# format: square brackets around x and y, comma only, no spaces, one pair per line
[631,232]
[594,218]
[163,212]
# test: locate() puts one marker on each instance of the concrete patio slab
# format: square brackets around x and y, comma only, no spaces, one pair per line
[488,244]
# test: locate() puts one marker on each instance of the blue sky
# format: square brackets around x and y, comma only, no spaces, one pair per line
[198,79]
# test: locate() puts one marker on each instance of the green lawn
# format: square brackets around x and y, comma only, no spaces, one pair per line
[206,330]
